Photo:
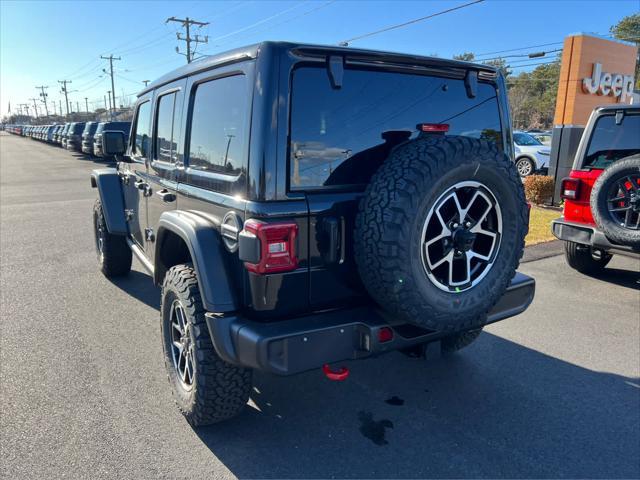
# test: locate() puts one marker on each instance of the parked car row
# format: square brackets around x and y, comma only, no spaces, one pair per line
[85,137]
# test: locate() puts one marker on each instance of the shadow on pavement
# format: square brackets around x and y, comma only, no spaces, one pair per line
[496,410]
[623,278]
[140,286]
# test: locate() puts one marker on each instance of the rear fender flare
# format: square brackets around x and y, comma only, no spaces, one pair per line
[107,181]
[202,238]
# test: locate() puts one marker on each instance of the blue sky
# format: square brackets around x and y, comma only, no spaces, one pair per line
[43,42]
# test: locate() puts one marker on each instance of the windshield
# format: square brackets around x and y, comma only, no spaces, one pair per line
[610,142]
[525,140]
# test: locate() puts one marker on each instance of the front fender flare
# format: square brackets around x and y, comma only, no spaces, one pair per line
[203,241]
[107,181]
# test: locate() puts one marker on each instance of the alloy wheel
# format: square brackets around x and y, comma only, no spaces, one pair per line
[461,237]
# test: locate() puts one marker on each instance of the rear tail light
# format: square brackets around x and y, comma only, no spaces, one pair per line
[569,188]
[277,246]
[433,127]
[385,334]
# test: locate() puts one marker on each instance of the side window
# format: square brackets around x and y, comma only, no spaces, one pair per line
[142,130]
[219,126]
[165,146]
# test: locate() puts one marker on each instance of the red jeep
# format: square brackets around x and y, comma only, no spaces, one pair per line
[602,193]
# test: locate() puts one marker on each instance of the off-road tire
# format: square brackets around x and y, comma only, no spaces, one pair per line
[579,258]
[612,230]
[458,341]
[115,256]
[220,390]
[388,234]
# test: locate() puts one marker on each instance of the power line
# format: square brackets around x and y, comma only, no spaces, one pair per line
[111,58]
[525,55]
[43,98]
[521,48]
[186,23]
[345,43]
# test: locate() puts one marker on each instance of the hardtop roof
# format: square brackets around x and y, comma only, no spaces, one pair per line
[304,49]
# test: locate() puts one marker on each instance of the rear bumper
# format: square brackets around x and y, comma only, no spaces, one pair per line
[296,345]
[586,235]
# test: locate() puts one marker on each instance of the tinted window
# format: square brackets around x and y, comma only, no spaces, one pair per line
[100,127]
[610,142]
[124,126]
[525,140]
[341,136]
[165,148]
[78,128]
[143,130]
[219,125]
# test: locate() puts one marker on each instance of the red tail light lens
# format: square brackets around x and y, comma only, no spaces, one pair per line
[433,127]
[277,246]
[569,188]
[385,334]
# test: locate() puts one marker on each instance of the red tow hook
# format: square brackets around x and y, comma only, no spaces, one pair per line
[335,375]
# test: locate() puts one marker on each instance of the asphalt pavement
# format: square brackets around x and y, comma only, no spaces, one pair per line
[554,392]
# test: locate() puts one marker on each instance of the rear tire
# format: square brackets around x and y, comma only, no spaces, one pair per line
[579,258]
[114,255]
[210,390]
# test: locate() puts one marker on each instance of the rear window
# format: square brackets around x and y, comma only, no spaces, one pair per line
[341,136]
[100,128]
[610,142]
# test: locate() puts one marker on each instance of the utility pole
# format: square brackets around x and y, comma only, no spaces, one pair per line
[86,102]
[60,106]
[186,23]
[35,105]
[78,107]
[25,106]
[105,103]
[146,82]
[65,91]
[43,94]
[109,97]
[111,58]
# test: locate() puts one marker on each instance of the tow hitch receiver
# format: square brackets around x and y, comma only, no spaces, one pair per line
[336,375]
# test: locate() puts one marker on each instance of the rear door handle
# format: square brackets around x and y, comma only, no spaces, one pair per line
[166,195]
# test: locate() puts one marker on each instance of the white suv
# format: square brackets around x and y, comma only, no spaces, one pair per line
[531,155]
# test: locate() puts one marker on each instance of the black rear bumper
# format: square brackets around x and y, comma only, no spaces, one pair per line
[296,345]
[586,235]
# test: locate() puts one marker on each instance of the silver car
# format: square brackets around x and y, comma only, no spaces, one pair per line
[531,155]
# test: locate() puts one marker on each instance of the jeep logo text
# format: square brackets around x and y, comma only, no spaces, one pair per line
[603,83]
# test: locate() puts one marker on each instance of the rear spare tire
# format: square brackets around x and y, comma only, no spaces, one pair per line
[615,202]
[440,231]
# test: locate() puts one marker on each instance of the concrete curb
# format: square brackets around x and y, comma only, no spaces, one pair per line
[542,250]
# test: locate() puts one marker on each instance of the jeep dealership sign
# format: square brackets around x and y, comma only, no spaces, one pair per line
[603,83]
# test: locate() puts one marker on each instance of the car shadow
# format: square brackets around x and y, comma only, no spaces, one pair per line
[140,286]
[623,278]
[498,409]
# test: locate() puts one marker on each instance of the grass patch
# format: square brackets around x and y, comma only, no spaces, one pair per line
[540,225]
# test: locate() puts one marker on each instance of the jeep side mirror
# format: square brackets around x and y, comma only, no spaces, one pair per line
[113,143]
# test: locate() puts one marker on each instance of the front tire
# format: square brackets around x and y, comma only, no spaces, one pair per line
[579,258]
[206,389]
[525,166]
[114,255]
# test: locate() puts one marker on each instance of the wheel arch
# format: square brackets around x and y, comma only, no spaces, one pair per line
[184,237]
[107,181]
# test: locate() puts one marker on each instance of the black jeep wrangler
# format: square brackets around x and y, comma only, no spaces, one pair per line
[302,205]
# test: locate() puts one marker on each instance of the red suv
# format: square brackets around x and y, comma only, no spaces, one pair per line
[602,193]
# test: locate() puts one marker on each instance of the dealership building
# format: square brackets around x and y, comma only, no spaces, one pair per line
[595,71]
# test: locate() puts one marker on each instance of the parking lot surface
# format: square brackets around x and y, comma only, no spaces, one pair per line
[554,392]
